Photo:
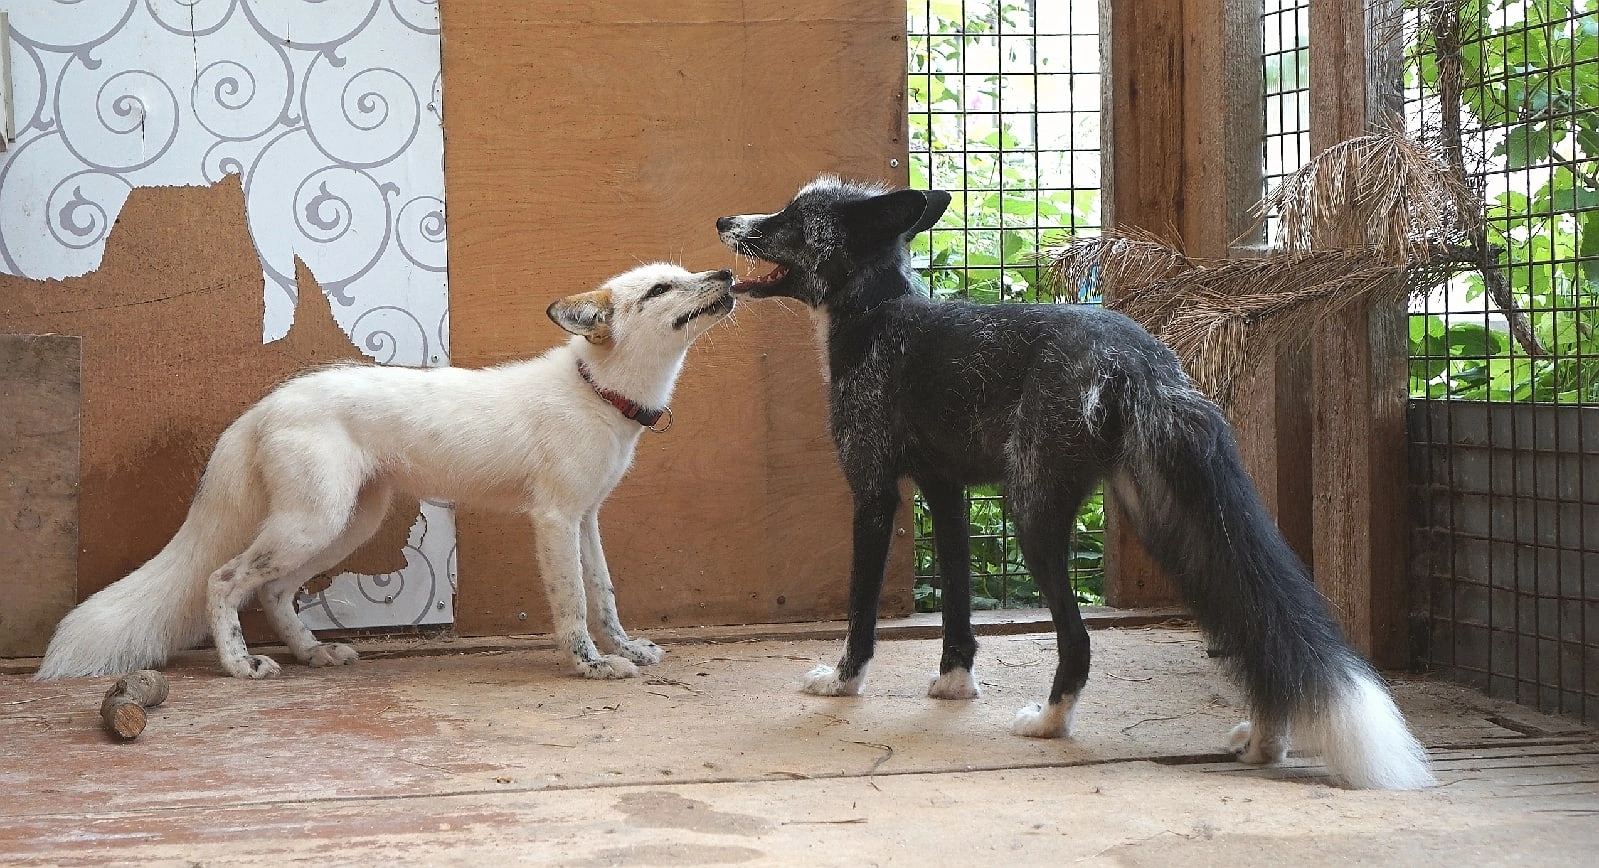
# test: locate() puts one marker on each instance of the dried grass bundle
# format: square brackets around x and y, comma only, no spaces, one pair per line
[1219,315]
[1384,190]
[1372,218]
[1127,257]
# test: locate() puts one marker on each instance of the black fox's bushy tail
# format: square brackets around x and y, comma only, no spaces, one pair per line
[1194,508]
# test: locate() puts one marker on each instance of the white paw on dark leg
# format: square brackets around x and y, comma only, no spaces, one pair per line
[1258,744]
[1046,721]
[955,684]
[824,680]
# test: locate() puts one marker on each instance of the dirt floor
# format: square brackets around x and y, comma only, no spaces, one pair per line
[480,753]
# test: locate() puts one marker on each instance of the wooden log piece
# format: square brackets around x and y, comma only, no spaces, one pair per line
[122,710]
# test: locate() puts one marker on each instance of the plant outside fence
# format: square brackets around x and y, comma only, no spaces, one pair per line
[1530,113]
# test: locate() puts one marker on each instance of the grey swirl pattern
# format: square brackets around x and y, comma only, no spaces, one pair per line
[422,593]
[329,113]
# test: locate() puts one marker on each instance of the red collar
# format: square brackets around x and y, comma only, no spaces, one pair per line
[628,407]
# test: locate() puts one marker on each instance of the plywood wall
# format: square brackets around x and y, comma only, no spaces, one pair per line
[582,138]
[172,353]
[39,408]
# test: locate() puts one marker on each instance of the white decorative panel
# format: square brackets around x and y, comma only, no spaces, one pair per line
[330,112]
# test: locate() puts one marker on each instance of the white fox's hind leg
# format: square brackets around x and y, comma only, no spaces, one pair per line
[289,540]
[277,597]
[224,594]
[602,601]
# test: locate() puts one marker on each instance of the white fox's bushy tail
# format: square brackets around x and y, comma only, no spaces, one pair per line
[160,608]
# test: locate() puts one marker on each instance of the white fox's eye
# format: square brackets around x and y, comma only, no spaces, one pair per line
[657,289]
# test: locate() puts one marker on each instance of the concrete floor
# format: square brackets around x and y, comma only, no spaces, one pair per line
[483,753]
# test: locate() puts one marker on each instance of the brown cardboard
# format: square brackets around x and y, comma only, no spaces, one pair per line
[172,353]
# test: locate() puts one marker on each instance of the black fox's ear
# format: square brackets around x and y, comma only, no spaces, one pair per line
[937,201]
[881,219]
[587,314]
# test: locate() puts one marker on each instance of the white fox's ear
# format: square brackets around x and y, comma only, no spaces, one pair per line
[587,314]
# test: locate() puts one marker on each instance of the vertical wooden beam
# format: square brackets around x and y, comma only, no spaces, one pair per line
[40,407]
[1182,135]
[1358,368]
[1271,411]
[1142,134]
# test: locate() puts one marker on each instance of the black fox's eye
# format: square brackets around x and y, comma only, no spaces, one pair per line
[658,289]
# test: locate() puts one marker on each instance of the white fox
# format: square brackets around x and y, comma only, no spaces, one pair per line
[306,475]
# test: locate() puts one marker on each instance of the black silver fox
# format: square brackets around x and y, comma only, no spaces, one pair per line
[1051,400]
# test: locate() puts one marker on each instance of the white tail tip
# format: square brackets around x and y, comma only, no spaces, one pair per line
[1363,739]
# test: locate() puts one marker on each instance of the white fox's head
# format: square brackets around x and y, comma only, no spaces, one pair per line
[658,304]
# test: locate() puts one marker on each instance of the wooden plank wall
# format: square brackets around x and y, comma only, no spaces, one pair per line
[583,137]
[39,411]
[1359,368]
[1182,155]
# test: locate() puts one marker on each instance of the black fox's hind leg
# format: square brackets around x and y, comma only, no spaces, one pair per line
[874,529]
[1046,546]
[947,506]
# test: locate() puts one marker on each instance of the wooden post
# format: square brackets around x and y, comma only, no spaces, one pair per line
[1181,138]
[40,407]
[1358,367]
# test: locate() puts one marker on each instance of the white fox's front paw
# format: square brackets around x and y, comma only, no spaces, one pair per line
[823,681]
[954,684]
[641,651]
[331,654]
[607,667]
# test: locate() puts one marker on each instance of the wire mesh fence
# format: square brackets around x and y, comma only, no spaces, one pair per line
[1004,99]
[1504,361]
[1285,92]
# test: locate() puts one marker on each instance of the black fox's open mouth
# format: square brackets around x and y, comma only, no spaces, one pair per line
[746,284]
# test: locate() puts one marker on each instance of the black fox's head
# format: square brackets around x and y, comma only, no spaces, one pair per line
[830,231]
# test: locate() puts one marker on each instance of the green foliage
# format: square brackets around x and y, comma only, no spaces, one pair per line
[986,152]
[1531,81]
[993,156]
[999,575]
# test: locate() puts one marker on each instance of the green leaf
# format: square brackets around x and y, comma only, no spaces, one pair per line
[1527,145]
[1578,198]
[1472,341]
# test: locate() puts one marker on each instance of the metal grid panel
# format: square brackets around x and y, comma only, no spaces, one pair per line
[1505,439]
[1285,92]
[1004,114]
